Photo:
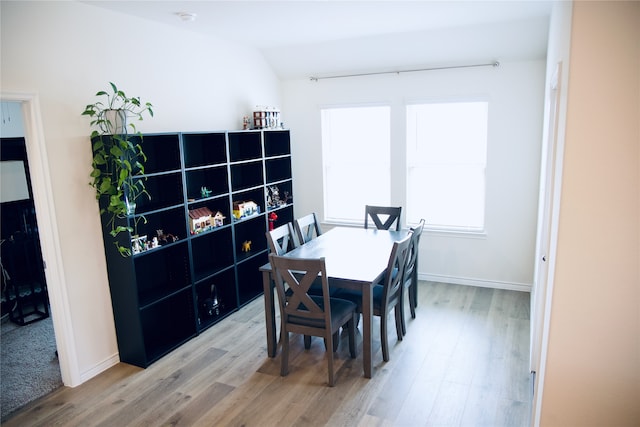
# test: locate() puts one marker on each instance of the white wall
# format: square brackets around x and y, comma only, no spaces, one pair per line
[504,258]
[64,52]
[592,372]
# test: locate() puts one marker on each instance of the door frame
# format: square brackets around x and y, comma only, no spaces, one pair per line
[48,232]
[547,234]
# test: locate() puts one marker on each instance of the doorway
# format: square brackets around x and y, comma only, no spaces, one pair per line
[30,367]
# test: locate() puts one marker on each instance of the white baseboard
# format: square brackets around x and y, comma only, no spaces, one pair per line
[523,287]
[99,368]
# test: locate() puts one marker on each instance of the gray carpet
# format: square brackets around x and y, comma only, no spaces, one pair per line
[30,367]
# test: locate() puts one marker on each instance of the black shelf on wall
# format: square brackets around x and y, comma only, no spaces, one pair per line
[213,196]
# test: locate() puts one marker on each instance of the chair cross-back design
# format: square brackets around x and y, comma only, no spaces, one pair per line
[388,294]
[282,239]
[310,315]
[307,228]
[392,291]
[382,217]
[411,273]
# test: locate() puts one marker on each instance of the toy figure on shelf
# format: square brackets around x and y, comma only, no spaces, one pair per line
[211,306]
[273,197]
[245,209]
[218,219]
[139,244]
[286,199]
[272,219]
[166,238]
[200,220]
[246,246]
[205,192]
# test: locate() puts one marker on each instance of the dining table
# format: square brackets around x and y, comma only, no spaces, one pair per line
[355,258]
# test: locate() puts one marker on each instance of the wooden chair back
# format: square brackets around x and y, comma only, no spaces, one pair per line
[307,228]
[282,239]
[383,217]
[299,307]
[307,314]
[394,277]
[411,274]
[411,269]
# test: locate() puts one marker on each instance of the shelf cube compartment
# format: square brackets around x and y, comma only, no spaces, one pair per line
[168,324]
[276,143]
[250,278]
[216,297]
[278,169]
[165,191]
[162,272]
[206,182]
[211,253]
[162,151]
[201,149]
[245,146]
[166,226]
[246,175]
[250,237]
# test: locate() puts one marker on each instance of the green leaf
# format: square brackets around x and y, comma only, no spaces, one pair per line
[99,159]
[125,252]
[106,185]
[116,151]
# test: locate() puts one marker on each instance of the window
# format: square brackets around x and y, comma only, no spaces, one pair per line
[356,152]
[446,160]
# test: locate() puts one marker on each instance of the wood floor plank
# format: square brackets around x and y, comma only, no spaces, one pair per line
[464,361]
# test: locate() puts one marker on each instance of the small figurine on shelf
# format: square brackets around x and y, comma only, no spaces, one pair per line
[245,209]
[272,218]
[139,244]
[273,198]
[211,305]
[286,199]
[205,192]
[218,219]
[246,246]
[166,238]
[200,220]
[245,122]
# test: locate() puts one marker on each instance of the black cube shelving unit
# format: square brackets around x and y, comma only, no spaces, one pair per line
[200,263]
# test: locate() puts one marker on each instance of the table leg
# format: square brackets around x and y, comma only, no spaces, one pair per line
[269,314]
[367,319]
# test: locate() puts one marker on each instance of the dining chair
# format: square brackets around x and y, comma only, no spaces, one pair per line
[378,214]
[310,315]
[388,294]
[282,239]
[307,227]
[411,274]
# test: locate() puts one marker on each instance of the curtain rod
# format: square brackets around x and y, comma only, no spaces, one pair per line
[450,67]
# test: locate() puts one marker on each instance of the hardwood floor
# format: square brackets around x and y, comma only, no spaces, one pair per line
[463,362]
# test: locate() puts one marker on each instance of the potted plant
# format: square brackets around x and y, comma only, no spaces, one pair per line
[118,158]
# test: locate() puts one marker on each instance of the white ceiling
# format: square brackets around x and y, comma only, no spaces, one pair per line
[303,38]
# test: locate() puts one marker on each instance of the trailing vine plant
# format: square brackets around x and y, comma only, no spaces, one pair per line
[118,158]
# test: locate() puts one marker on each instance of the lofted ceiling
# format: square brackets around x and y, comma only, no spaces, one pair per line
[303,38]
